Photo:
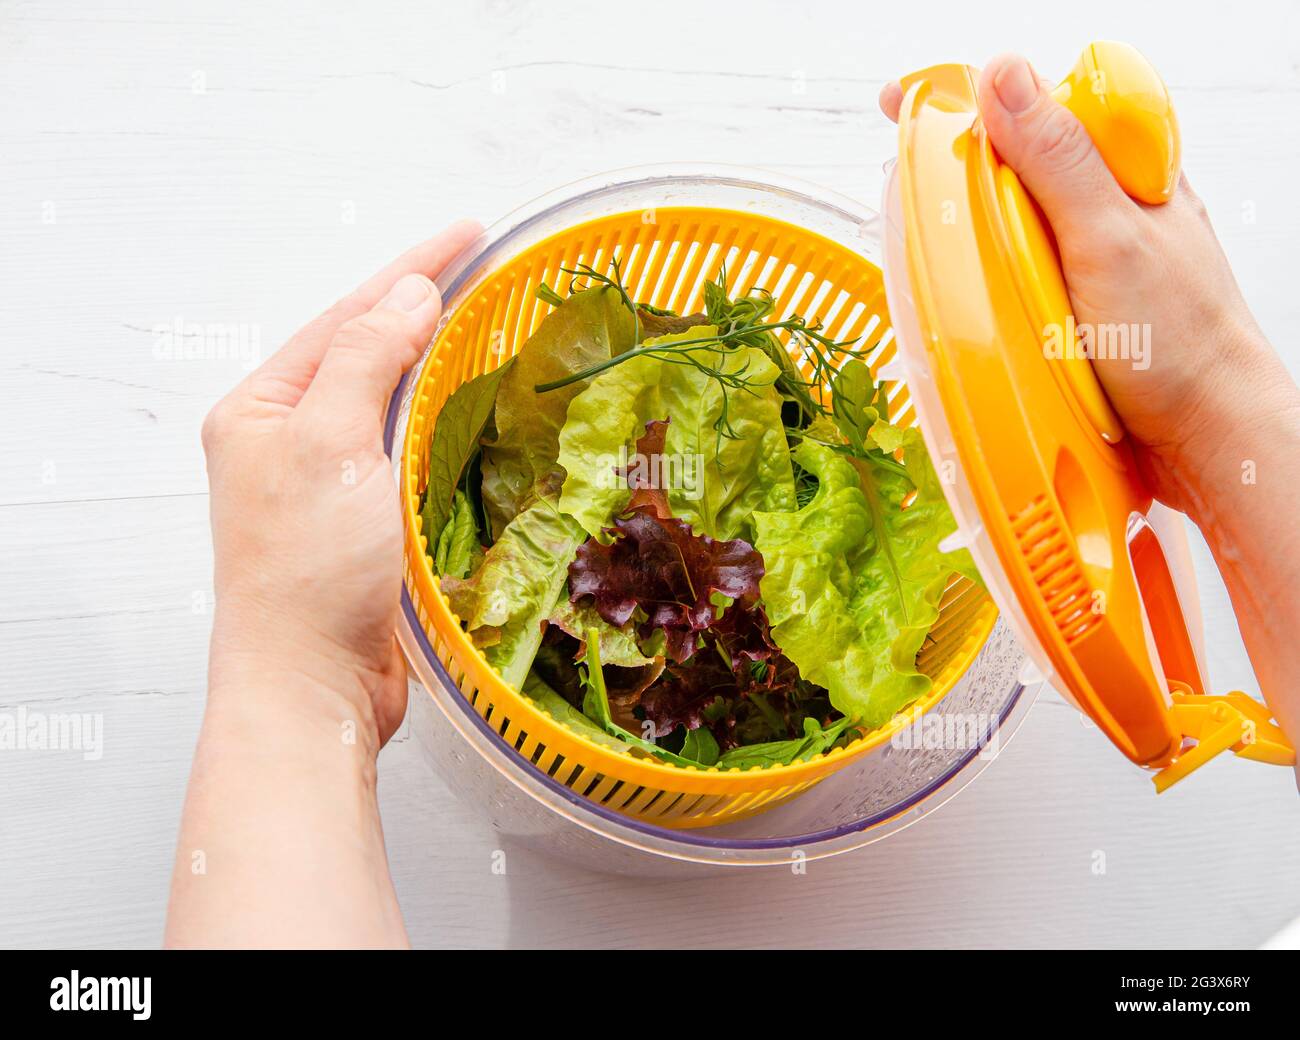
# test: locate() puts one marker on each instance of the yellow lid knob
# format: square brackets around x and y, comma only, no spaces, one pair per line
[1125,106]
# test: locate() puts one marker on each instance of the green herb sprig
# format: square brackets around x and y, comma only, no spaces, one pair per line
[743,322]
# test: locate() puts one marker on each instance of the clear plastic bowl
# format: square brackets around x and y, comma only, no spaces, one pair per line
[880,793]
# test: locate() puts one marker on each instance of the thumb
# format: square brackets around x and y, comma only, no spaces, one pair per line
[1045,144]
[368,354]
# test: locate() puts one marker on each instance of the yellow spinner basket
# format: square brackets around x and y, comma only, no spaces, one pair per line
[666,253]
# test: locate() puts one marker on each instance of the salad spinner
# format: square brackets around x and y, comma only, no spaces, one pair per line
[950,294]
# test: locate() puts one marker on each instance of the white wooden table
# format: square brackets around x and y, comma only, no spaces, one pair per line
[239,164]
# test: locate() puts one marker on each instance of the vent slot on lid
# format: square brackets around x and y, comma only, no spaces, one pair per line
[1046,549]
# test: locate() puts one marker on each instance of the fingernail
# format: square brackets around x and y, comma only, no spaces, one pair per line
[1016,84]
[410,292]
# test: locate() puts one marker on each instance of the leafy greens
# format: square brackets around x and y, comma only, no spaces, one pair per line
[592,325]
[853,579]
[504,604]
[456,433]
[679,542]
[730,448]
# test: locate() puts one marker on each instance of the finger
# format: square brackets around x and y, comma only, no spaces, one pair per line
[891,99]
[368,354]
[287,373]
[428,258]
[1047,146]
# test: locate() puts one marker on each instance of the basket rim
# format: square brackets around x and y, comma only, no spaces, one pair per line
[471,263]
[646,175]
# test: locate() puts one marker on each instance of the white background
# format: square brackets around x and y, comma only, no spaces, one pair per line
[245,163]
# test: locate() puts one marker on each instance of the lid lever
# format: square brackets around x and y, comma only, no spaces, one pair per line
[1233,721]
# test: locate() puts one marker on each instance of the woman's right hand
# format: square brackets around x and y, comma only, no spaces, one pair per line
[1209,369]
[1213,412]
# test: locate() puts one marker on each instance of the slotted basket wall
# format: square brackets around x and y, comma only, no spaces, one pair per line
[666,254]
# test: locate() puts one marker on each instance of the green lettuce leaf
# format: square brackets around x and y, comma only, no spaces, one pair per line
[456,434]
[715,482]
[588,327]
[700,746]
[595,706]
[618,646]
[853,580]
[815,741]
[562,711]
[861,410]
[504,604]
[458,549]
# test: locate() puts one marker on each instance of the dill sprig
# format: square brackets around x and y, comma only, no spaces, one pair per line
[590,274]
[743,322]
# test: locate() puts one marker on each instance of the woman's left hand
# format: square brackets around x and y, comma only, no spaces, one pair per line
[306,528]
